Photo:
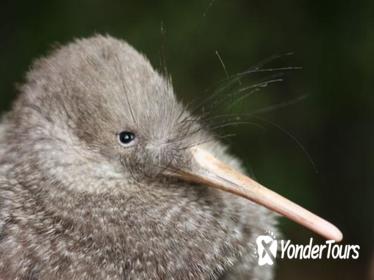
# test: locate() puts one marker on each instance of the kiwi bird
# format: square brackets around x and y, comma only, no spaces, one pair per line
[105,175]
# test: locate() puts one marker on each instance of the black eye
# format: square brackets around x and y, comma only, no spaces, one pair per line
[126,137]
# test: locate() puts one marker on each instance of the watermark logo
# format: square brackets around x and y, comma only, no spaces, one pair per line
[266,249]
[268,246]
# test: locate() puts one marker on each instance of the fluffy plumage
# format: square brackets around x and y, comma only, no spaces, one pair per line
[75,204]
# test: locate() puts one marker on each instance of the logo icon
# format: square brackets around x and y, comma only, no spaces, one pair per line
[266,249]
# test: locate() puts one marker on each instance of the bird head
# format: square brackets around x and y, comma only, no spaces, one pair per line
[97,112]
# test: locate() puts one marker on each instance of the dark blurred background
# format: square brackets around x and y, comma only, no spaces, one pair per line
[315,148]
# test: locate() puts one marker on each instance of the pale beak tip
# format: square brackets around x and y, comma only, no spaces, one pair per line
[337,235]
[331,232]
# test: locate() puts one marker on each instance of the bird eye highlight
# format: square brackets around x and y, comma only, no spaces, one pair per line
[125,138]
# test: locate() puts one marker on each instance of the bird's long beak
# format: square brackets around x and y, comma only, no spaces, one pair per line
[209,170]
